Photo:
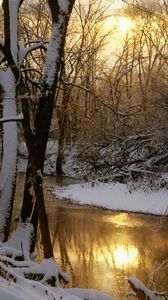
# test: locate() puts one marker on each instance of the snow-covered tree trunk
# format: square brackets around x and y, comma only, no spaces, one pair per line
[60,11]
[8,80]
[9,161]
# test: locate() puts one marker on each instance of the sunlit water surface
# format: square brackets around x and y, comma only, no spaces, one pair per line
[101,249]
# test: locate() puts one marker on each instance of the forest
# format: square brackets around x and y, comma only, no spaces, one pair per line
[90,76]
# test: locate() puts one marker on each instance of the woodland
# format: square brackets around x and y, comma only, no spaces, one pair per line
[67,74]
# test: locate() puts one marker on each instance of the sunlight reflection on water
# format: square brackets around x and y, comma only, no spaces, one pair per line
[101,249]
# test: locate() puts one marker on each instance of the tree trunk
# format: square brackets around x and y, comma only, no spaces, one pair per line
[9,162]
[37,181]
[62,125]
[29,211]
[37,142]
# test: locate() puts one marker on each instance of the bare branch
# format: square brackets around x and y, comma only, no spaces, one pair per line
[119,113]
[142,292]
[14,119]
[25,51]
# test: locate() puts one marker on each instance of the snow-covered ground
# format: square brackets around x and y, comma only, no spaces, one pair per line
[121,197]
[14,291]
[118,197]
[69,165]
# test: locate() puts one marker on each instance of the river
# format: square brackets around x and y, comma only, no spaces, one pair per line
[100,249]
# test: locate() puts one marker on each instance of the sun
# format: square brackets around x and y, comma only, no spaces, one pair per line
[118,25]
[124,25]
[126,256]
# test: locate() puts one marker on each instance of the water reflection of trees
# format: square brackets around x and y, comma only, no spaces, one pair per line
[84,241]
[87,246]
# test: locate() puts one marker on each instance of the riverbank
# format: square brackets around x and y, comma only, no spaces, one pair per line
[114,196]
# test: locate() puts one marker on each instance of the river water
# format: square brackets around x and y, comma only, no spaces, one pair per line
[100,249]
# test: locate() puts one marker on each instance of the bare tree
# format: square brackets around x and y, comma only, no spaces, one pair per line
[81,67]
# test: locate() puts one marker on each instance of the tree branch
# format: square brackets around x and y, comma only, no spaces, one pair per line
[10,119]
[142,292]
[118,113]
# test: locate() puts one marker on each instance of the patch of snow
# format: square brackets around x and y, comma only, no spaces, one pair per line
[89,294]
[69,165]
[23,51]
[115,197]
[48,267]
[19,242]
[10,119]
[63,4]
[36,291]
[140,286]
[52,55]
[16,263]
[164,176]
[33,291]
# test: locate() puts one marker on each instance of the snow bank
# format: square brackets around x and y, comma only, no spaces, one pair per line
[115,197]
[13,291]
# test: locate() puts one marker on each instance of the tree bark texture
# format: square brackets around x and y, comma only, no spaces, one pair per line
[62,125]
